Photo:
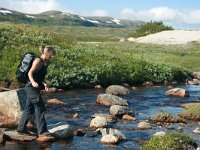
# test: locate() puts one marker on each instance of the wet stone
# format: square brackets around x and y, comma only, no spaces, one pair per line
[80,132]
[117,90]
[2,137]
[13,135]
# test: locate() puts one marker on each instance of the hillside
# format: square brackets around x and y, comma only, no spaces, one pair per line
[87,64]
[60,19]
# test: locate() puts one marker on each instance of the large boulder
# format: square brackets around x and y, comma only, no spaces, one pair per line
[11,105]
[109,100]
[118,110]
[117,90]
[62,132]
[178,92]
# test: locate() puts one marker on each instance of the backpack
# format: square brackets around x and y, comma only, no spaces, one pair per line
[24,67]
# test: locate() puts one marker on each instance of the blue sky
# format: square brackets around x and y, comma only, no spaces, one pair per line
[176,13]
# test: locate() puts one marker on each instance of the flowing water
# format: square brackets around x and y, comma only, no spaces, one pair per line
[144,101]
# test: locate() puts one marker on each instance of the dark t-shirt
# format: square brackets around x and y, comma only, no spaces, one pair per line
[40,74]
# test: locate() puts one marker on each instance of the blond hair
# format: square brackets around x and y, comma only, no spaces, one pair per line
[41,49]
[49,49]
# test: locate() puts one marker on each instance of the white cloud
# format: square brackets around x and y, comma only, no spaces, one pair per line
[164,14]
[98,12]
[192,17]
[31,6]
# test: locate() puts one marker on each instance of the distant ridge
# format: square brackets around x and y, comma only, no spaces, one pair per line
[55,17]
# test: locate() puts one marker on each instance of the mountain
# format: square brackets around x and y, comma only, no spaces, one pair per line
[60,18]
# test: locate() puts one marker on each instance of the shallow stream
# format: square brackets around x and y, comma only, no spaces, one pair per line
[145,101]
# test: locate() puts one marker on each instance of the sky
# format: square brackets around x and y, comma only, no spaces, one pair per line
[180,14]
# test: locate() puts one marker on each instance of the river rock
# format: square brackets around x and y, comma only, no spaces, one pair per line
[108,117]
[98,87]
[2,137]
[114,132]
[80,132]
[76,116]
[128,117]
[109,139]
[11,105]
[62,132]
[98,122]
[118,110]
[50,90]
[45,138]
[193,82]
[13,135]
[54,101]
[147,83]
[178,92]
[144,125]
[159,134]
[196,75]
[197,131]
[109,100]
[117,90]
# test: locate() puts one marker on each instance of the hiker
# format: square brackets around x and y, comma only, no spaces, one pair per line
[34,102]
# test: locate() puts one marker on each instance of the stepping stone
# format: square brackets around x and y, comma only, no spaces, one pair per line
[13,135]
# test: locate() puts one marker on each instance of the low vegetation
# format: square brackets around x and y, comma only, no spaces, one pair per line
[87,64]
[150,28]
[192,113]
[166,117]
[171,141]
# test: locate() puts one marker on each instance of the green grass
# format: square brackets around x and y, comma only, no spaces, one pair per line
[91,34]
[85,64]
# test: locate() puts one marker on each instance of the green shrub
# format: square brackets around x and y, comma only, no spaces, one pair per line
[171,141]
[83,65]
[150,28]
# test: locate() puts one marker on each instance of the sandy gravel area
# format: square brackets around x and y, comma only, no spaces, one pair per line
[170,37]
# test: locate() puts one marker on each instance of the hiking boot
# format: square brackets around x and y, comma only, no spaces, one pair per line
[45,137]
[24,132]
[45,134]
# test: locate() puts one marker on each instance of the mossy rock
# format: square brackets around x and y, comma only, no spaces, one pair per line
[171,141]
[192,113]
[166,117]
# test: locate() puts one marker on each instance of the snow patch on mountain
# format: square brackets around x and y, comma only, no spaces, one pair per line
[5,12]
[93,21]
[117,21]
[82,18]
[30,16]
